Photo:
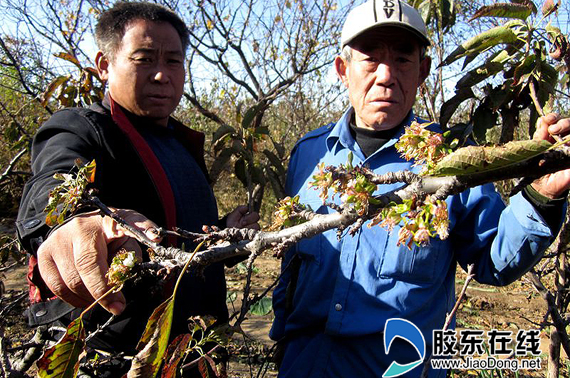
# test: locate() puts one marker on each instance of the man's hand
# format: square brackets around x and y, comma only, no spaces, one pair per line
[74,259]
[555,184]
[241,218]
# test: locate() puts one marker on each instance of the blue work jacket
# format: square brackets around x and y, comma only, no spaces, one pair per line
[348,288]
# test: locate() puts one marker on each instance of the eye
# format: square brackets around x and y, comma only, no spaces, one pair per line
[142,59]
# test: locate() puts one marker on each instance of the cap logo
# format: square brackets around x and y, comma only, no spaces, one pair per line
[389,8]
[386,13]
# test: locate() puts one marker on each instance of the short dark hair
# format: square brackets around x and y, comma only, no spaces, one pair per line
[113,23]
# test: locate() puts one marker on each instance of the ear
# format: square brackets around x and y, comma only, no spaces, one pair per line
[425,66]
[341,68]
[102,65]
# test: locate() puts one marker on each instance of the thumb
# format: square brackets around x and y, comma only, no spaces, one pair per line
[116,238]
[543,124]
[114,231]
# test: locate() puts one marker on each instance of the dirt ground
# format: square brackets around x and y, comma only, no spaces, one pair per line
[509,308]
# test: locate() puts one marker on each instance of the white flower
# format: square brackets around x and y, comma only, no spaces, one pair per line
[130,260]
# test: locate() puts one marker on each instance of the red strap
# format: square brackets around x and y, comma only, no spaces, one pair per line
[152,165]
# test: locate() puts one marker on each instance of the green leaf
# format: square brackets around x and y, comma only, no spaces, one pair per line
[529,3]
[220,163]
[279,148]
[424,8]
[523,70]
[70,58]
[261,307]
[174,354]
[93,72]
[153,342]
[240,171]
[474,159]
[222,131]
[275,161]
[491,67]
[52,87]
[262,130]
[449,107]
[203,368]
[276,182]
[62,360]
[483,119]
[481,42]
[257,176]
[251,113]
[504,10]
[447,12]
[206,365]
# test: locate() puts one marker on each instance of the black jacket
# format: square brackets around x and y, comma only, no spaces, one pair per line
[122,181]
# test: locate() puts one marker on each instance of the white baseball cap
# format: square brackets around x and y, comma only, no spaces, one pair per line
[374,13]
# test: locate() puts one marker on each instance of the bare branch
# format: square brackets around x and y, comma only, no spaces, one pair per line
[12,163]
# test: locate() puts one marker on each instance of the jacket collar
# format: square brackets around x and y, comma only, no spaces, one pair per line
[340,136]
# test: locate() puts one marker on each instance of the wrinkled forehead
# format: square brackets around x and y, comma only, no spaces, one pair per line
[386,37]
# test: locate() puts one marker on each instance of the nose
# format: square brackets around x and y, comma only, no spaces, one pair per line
[385,74]
[160,75]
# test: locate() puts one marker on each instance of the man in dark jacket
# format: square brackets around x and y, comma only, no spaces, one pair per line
[146,162]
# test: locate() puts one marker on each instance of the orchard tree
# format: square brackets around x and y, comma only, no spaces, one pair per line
[519,71]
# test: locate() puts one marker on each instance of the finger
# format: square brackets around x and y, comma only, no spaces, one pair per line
[251,218]
[242,209]
[71,277]
[91,262]
[561,127]
[52,278]
[126,243]
[113,230]
[253,226]
[550,118]
[542,126]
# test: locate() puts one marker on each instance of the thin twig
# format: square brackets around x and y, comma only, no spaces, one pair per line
[12,304]
[557,319]
[12,164]
[451,315]
[100,328]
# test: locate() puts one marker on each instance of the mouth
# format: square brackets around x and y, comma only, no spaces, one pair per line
[384,99]
[383,102]
[159,98]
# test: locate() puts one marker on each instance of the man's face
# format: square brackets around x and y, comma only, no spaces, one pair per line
[383,76]
[146,74]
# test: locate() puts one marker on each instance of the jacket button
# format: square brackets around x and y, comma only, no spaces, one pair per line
[338,307]
[31,223]
[41,313]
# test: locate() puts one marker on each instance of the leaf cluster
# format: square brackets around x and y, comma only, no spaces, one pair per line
[66,197]
[518,51]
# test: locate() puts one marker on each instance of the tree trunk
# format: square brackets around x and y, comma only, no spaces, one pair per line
[510,123]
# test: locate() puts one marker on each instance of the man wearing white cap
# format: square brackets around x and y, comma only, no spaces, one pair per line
[336,296]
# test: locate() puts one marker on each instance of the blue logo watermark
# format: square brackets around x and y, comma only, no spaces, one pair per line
[465,349]
[409,332]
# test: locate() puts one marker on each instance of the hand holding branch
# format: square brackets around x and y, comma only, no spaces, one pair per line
[74,259]
[549,128]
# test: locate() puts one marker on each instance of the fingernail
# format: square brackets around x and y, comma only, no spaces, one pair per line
[152,233]
[116,308]
[554,129]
